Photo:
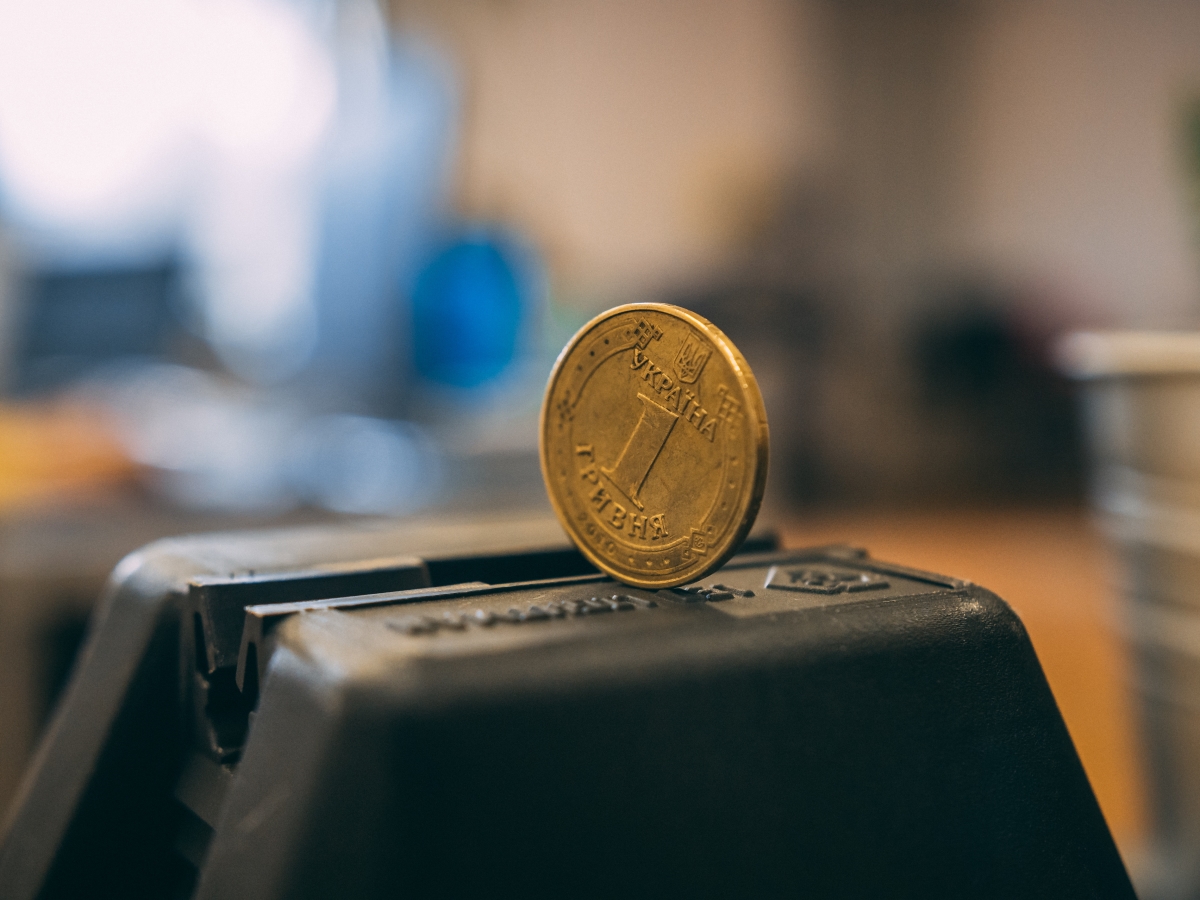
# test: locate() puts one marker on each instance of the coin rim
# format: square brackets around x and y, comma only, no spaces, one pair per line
[754,405]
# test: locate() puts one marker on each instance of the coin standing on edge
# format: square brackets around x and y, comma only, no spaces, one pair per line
[653,444]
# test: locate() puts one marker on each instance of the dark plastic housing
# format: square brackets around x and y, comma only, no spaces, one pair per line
[470,722]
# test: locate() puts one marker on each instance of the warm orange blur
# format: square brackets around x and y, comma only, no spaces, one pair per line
[56,451]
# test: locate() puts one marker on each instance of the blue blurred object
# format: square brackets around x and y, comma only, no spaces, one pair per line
[469,305]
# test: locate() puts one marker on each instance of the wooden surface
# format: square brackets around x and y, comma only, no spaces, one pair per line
[1055,571]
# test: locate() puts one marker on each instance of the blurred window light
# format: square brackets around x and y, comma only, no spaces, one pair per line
[108,108]
[134,129]
[90,115]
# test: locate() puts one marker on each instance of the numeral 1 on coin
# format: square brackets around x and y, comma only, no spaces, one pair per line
[642,449]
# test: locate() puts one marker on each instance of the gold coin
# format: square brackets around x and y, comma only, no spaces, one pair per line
[654,444]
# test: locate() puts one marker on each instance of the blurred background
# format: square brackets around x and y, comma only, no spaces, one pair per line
[270,261]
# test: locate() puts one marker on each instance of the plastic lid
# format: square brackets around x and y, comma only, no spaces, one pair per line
[1105,354]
